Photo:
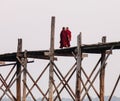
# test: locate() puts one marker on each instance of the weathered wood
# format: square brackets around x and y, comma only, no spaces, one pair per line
[36,85]
[35,82]
[5,85]
[19,49]
[102,65]
[64,82]
[40,54]
[102,72]
[68,73]
[78,70]
[114,88]
[5,80]
[51,78]
[48,54]
[29,91]
[24,75]
[58,94]
[89,82]
[90,76]
[86,90]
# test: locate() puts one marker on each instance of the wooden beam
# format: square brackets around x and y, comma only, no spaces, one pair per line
[40,54]
[48,54]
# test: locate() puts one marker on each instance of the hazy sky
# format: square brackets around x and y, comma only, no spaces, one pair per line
[31,21]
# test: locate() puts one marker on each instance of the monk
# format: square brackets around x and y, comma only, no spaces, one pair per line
[63,38]
[69,36]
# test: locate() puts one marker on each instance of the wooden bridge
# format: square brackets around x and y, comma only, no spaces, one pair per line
[54,90]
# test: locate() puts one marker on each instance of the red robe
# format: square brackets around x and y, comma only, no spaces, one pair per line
[63,39]
[69,37]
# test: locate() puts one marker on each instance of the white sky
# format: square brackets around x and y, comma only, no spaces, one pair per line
[31,21]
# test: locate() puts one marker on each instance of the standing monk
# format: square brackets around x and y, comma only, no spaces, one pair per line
[68,35]
[63,38]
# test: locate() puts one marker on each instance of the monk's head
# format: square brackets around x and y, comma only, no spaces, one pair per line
[67,28]
[63,28]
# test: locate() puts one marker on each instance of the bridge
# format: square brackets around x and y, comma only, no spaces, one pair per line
[57,82]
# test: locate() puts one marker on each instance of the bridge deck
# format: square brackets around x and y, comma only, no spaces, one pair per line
[40,54]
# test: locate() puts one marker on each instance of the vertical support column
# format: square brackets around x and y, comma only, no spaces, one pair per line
[18,84]
[102,72]
[24,75]
[51,78]
[78,70]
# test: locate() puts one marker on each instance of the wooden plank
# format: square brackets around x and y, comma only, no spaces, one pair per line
[40,54]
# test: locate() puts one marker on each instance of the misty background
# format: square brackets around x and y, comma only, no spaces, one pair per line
[31,21]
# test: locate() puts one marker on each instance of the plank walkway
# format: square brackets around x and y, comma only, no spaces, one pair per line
[40,54]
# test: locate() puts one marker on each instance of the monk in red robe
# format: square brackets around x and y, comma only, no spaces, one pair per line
[69,36]
[63,38]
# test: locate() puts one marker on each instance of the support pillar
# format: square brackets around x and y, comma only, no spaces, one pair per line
[102,72]
[24,75]
[51,78]
[78,69]
[18,84]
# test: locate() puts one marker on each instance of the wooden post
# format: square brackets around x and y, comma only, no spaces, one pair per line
[51,78]
[102,72]
[78,70]
[24,75]
[18,84]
